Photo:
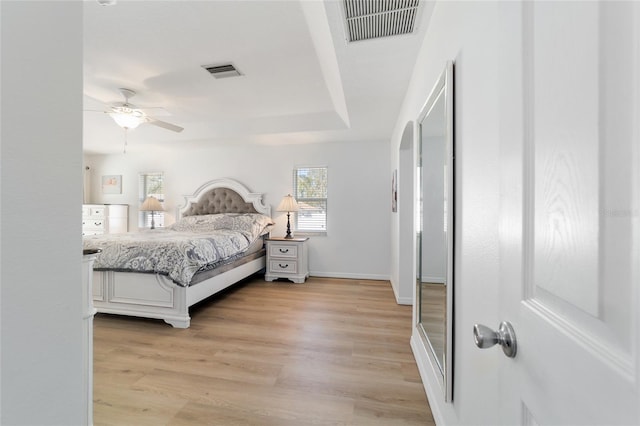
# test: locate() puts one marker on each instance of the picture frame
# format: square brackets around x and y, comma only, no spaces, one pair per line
[112,184]
[394,191]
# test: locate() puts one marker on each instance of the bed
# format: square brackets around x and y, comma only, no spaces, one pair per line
[128,281]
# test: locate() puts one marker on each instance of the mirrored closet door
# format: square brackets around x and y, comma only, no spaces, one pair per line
[435,228]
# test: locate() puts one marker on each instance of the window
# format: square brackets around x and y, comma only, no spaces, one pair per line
[310,191]
[151,184]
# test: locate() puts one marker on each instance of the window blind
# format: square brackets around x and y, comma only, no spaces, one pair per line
[151,184]
[310,191]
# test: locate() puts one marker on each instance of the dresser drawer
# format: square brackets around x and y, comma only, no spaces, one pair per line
[104,219]
[93,224]
[97,212]
[283,266]
[283,250]
[94,213]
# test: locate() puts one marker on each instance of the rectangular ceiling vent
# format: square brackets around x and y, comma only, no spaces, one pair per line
[222,71]
[367,19]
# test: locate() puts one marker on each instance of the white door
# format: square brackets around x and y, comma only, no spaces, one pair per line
[570,212]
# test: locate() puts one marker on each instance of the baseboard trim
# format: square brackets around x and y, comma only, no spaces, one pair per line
[424,365]
[350,276]
[428,279]
[404,300]
[400,300]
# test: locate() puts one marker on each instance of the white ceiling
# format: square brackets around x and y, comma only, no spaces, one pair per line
[301,81]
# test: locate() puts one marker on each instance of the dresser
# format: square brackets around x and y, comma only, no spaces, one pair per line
[105,219]
[287,258]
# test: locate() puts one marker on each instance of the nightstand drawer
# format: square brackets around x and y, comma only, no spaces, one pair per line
[283,266]
[283,250]
[287,258]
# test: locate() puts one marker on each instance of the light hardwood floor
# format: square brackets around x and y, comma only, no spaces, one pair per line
[326,352]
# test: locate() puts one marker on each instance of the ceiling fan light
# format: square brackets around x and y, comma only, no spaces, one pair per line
[127,121]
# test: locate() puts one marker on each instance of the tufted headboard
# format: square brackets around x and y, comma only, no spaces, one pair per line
[219,200]
[223,196]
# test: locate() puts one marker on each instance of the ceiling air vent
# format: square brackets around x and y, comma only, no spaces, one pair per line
[222,71]
[367,19]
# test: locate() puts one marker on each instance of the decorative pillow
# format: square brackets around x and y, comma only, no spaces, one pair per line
[251,224]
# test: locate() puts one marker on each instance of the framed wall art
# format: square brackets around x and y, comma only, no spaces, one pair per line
[394,191]
[112,184]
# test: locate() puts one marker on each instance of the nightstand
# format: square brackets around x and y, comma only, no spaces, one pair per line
[287,258]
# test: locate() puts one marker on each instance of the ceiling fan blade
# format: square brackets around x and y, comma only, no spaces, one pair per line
[154,111]
[164,124]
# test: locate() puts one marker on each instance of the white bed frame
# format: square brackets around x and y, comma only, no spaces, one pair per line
[155,295]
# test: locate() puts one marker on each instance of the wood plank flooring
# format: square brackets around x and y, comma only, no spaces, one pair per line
[326,352]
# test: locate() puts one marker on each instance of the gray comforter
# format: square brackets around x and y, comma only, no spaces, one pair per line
[179,251]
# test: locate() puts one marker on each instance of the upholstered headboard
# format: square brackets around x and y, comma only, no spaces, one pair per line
[219,200]
[223,196]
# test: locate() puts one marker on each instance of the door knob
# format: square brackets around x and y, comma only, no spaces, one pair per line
[505,337]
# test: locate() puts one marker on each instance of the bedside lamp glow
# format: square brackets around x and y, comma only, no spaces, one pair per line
[288,204]
[151,204]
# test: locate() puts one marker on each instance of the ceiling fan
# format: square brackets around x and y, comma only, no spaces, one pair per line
[129,116]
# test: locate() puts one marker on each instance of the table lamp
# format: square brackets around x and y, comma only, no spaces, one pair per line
[288,204]
[151,204]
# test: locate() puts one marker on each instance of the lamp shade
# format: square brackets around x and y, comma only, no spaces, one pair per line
[288,204]
[151,204]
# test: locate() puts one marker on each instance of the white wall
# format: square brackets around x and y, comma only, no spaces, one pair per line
[40,255]
[465,32]
[359,205]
